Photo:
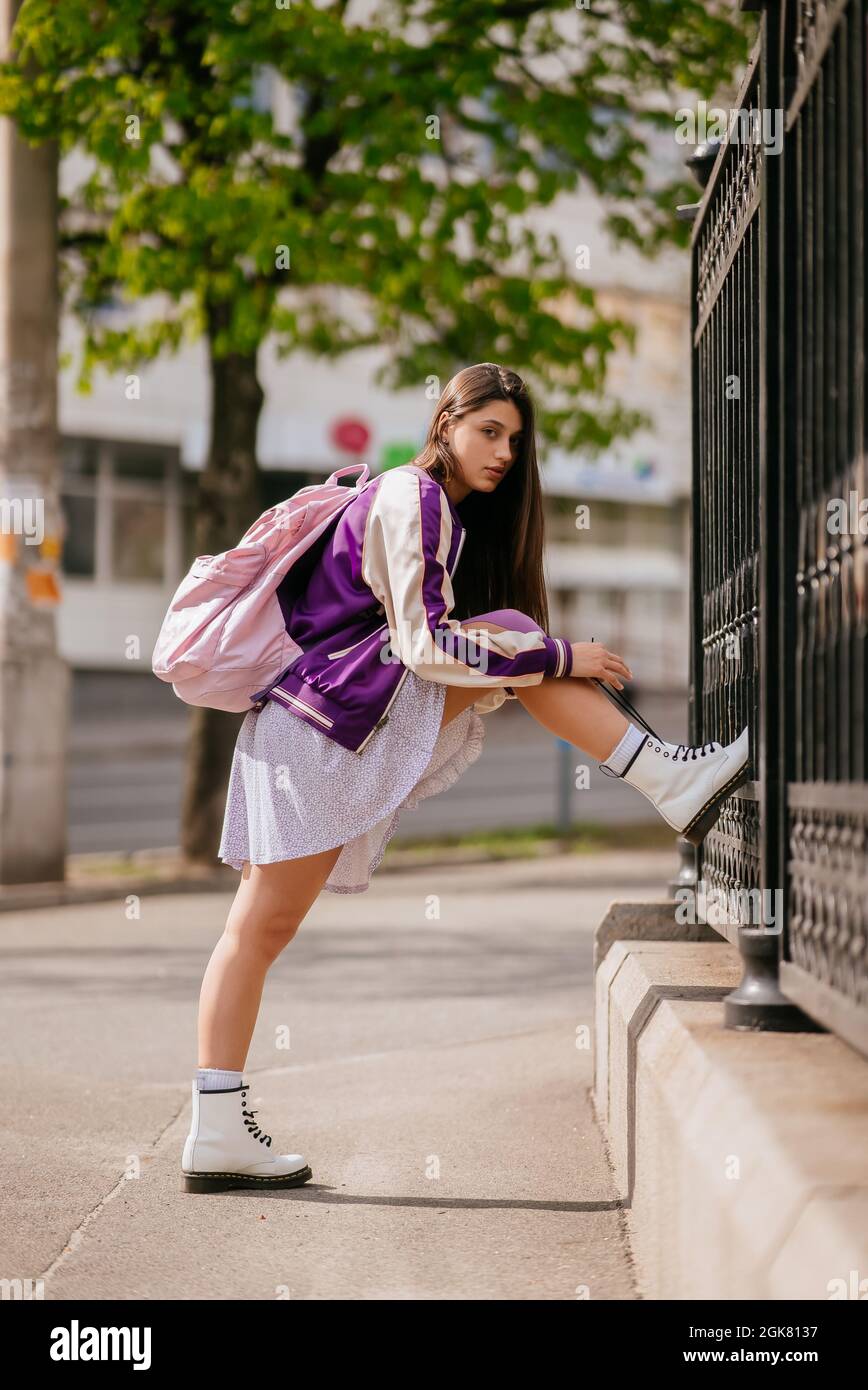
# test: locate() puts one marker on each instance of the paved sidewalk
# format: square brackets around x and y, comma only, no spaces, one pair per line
[433,1083]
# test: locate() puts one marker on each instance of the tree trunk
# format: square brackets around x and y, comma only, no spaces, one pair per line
[34,679]
[229,499]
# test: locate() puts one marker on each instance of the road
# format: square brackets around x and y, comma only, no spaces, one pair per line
[128,734]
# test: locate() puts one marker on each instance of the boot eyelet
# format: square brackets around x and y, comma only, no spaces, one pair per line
[666,755]
[658,748]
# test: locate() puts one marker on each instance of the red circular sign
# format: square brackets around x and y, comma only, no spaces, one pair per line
[351,435]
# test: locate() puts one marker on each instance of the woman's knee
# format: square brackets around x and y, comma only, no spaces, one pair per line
[273,900]
[264,928]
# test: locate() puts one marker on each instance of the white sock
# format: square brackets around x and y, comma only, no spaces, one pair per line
[213,1079]
[620,756]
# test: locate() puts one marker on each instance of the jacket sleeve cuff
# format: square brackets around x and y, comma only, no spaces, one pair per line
[559,657]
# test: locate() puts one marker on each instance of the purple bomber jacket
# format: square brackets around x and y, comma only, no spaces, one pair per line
[370,601]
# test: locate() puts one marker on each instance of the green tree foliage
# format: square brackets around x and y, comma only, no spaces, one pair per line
[194,188]
[392,203]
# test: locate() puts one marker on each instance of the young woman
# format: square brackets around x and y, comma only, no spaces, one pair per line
[383,709]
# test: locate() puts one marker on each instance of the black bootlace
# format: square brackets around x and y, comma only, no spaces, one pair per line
[250,1122]
[618,699]
[691,752]
[625,704]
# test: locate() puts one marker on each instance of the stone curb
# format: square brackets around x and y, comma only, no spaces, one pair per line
[738,1155]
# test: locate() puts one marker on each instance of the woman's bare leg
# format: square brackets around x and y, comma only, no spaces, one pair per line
[572,707]
[575,709]
[271,902]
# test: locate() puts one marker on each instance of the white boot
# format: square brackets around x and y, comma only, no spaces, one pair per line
[226,1148]
[687,785]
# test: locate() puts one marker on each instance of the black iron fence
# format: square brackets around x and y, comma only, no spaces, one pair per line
[779,558]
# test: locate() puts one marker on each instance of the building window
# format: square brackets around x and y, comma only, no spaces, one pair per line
[652,528]
[130,511]
[131,465]
[118,503]
[79,545]
[79,502]
[138,540]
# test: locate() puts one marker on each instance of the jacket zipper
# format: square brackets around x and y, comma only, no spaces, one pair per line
[385,714]
[458,554]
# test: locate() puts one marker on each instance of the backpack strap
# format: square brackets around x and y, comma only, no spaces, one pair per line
[361,468]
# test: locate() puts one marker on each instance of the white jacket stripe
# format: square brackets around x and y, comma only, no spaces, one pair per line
[411,580]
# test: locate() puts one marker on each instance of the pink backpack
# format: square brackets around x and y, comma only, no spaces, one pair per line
[224,639]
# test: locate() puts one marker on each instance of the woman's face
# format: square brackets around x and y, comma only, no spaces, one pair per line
[486,444]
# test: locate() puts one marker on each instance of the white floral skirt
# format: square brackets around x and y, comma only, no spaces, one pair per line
[293,791]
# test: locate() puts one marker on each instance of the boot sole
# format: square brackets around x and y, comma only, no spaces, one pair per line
[708,817]
[223,1182]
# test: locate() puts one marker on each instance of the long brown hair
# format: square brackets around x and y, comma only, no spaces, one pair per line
[501,563]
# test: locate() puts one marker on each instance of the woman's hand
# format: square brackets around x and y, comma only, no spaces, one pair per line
[591,659]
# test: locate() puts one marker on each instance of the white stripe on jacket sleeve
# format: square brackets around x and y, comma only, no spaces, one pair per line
[408,532]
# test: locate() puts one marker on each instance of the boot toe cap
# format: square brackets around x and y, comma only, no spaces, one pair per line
[740,748]
[278,1167]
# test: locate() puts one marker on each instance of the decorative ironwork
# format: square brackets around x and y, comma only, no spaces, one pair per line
[731,856]
[827,918]
[811,25]
[725,493]
[734,201]
[779,562]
